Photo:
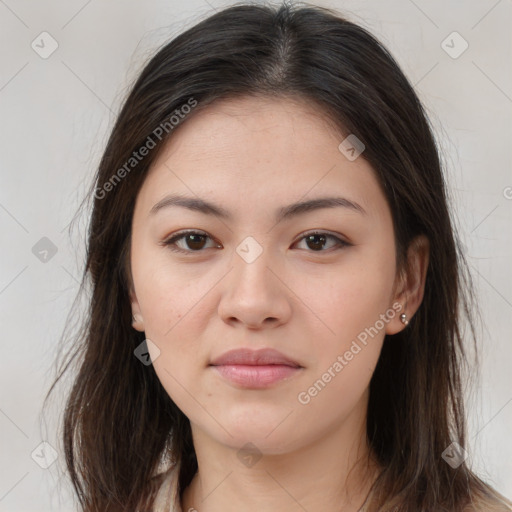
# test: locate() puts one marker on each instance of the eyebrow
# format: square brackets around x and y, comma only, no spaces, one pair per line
[283,213]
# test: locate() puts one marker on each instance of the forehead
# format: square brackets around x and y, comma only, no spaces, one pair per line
[265,127]
[255,151]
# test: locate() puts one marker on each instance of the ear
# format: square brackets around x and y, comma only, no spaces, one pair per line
[410,283]
[137,319]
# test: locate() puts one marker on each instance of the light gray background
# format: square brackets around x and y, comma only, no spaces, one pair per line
[57,112]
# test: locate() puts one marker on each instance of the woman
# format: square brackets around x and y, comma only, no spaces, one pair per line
[276,284]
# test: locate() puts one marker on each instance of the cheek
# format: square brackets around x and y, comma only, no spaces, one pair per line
[168,294]
[349,341]
[335,395]
[171,308]
[351,302]
[350,297]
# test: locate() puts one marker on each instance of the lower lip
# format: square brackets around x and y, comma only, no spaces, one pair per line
[252,376]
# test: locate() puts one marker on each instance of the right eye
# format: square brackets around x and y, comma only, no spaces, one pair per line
[192,241]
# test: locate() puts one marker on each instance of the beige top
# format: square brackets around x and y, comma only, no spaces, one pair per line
[168,499]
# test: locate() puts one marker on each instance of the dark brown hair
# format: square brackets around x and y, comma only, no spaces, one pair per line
[119,423]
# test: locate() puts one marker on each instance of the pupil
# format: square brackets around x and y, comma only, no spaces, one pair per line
[195,239]
[317,246]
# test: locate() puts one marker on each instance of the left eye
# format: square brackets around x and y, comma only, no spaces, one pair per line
[195,241]
[318,239]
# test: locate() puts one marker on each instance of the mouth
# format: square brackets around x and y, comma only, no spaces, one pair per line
[256,376]
[255,369]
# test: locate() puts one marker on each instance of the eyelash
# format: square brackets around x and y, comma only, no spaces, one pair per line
[170,242]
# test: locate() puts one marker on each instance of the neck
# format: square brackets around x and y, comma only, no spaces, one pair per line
[332,474]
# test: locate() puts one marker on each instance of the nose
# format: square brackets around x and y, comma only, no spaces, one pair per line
[255,295]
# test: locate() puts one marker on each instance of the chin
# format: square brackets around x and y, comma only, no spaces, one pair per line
[270,435]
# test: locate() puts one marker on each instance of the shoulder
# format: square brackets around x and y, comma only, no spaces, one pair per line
[495,507]
[489,505]
[167,498]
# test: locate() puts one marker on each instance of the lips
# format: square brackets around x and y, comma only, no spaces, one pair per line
[262,357]
[255,369]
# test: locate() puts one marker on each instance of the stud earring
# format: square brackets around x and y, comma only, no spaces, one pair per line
[403,318]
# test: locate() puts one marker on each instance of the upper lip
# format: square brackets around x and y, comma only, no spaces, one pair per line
[252,357]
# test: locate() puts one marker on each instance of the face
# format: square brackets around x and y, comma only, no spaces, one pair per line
[314,283]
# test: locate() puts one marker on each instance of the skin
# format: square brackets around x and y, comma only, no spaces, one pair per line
[310,301]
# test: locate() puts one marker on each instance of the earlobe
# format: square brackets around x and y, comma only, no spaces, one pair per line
[138,322]
[399,320]
[404,319]
[137,319]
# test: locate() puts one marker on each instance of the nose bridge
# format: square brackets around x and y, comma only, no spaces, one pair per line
[251,263]
[252,292]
